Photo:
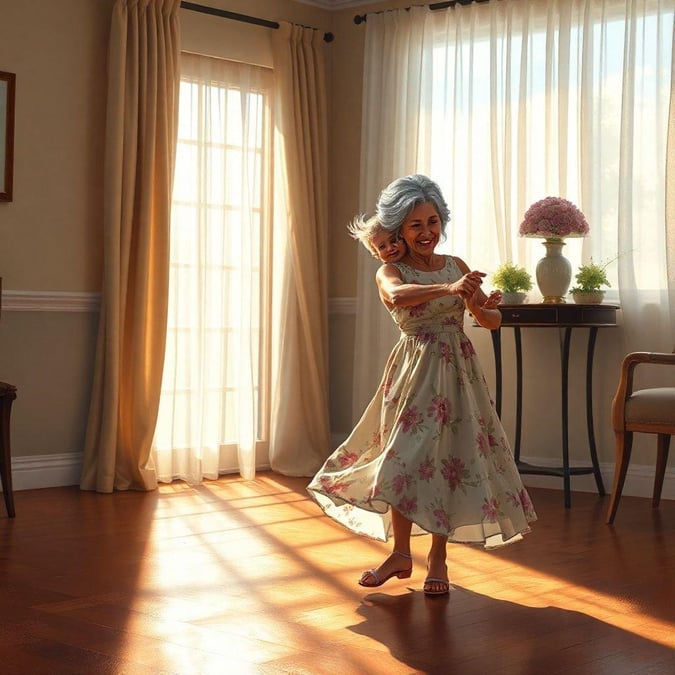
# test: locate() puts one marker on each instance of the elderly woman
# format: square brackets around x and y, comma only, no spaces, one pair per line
[429,455]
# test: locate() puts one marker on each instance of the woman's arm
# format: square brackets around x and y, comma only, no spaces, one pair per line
[483,309]
[394,292]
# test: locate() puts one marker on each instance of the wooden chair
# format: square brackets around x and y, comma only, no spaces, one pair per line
[7,396]
[650,411]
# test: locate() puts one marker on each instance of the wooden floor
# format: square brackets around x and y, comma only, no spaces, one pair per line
[242,576]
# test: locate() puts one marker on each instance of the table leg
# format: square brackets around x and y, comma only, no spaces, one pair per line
[564,365]
[589,410]
[519,392]
[496,336]
[497,348]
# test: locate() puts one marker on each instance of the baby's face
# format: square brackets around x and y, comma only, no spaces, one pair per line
[387,247]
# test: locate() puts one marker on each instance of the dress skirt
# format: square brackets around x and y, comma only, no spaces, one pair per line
[430,443]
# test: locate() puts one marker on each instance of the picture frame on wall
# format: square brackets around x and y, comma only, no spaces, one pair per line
[7,95]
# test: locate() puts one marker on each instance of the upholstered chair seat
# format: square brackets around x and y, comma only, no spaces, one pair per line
[651,406]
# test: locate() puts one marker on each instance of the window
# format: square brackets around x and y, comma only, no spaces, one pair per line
[568,101]
[214,402]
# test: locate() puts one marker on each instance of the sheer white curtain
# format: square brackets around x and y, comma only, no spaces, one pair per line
[670,189]
[504,103]
[214,404]
[390,147]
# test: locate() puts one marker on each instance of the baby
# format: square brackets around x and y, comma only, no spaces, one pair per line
[382,244]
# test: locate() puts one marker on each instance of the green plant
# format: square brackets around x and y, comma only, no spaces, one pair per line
[591,277]
[511,278]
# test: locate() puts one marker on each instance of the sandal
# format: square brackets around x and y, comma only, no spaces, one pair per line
[401,574]
[443,583]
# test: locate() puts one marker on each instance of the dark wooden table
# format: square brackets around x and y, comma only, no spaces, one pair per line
[564,317]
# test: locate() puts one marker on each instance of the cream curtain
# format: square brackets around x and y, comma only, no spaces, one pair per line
[139,159]
[508,102]
[299,437]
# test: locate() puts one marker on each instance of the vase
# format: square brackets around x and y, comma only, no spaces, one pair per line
[554,272]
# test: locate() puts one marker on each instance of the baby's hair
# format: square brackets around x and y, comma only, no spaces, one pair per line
[363,229]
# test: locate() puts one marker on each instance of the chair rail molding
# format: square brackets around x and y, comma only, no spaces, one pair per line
[50,301]
[73,301]
[67,301]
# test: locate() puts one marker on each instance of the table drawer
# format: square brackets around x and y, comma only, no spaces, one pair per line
[564,314]
[598,315]
[524,315]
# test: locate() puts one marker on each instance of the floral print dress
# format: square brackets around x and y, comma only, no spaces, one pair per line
[430,442]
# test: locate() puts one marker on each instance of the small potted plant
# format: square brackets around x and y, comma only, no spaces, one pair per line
[514,281]
[590,279]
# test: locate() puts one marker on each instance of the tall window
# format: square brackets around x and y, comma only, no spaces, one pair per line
[213,415]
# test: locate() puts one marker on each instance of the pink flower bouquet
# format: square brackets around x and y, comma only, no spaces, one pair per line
[553,218]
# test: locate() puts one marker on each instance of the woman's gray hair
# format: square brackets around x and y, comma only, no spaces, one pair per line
[399,198]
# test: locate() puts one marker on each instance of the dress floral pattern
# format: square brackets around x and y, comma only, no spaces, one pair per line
[430,442]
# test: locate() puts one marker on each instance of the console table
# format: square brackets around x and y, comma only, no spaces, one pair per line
[564,317]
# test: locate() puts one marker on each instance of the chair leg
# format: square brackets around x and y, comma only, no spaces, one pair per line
[624,445]
[5,454]
[662,445]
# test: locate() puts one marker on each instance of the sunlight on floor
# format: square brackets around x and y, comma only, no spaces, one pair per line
[242,562]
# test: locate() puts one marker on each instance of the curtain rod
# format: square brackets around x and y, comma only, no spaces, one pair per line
[214,11]
[361,18]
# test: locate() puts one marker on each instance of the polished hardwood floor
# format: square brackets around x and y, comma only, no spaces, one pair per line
[240,576]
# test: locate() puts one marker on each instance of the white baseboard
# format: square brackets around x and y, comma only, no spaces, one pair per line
[44,471]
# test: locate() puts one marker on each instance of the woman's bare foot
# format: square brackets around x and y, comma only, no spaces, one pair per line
[396,564]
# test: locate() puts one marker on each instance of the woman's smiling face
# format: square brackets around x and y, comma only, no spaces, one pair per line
[421,230]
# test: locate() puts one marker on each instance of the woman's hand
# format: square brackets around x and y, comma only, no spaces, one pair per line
[492,301]
[485,309]
[467,285]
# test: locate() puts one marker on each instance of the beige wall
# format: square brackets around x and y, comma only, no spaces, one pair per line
[50,238]
[50,235]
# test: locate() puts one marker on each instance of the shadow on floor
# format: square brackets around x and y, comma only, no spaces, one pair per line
[469,633]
